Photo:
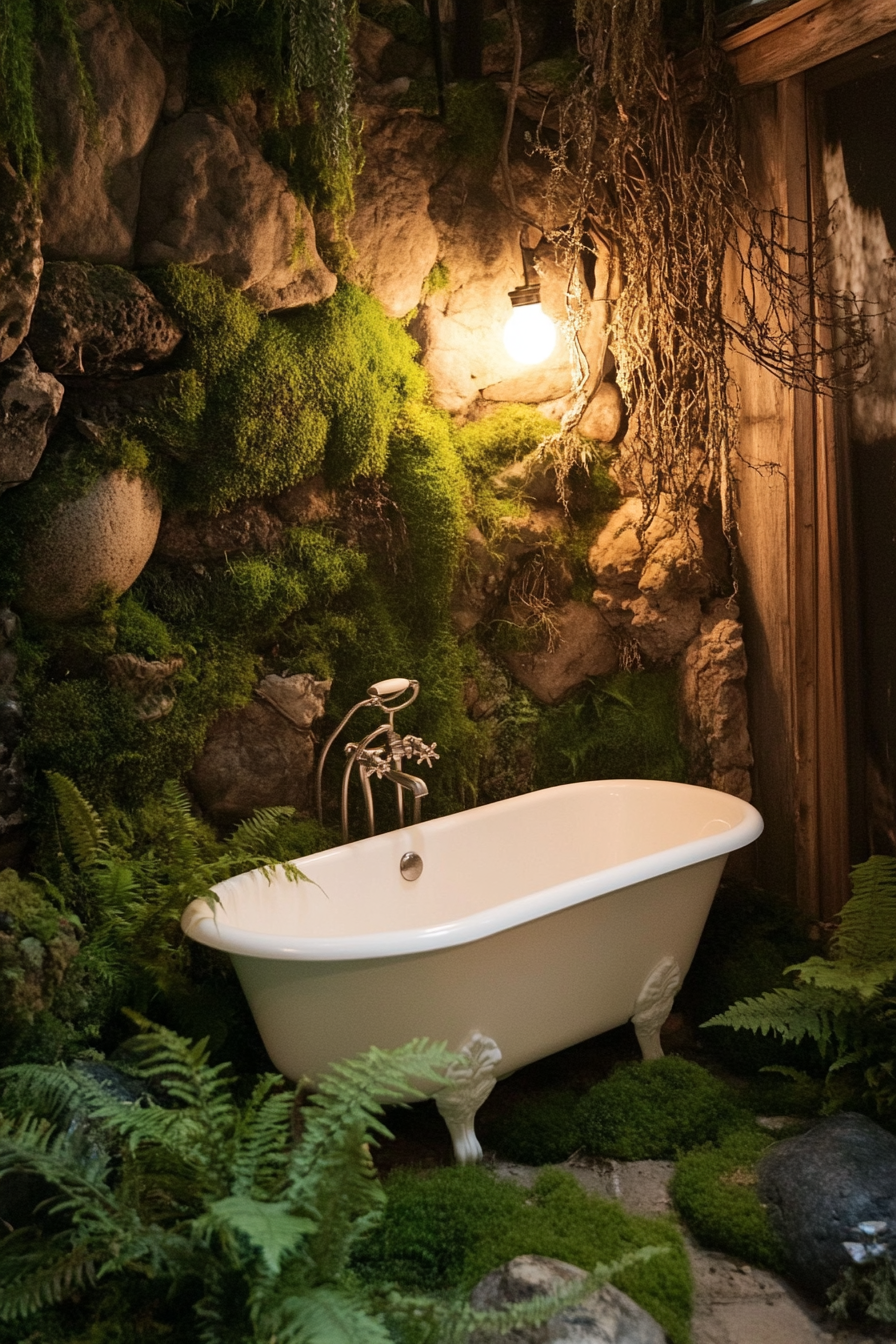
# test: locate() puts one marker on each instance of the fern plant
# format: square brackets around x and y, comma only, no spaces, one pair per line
[845,1002]
[130,893]
[240,1233]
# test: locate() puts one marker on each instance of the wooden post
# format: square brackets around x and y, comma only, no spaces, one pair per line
[789,559]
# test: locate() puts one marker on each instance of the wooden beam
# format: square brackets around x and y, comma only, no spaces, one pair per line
[806,34]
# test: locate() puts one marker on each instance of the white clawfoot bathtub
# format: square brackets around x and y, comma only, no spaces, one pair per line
[535,923]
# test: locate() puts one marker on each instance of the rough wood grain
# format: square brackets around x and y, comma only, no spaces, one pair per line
[807,38]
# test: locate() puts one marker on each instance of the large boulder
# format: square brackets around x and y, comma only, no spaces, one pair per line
[603,416]
[210,199]
[581,645]
[91,195]
[97,320]
[263,754]
[714,703]
[98,542]
[20,257]
[395,240]
[651,581]
[820,1185]
[29,401]
[605,1317]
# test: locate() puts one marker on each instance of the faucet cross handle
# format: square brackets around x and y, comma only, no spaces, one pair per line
[416,747]
[371,760]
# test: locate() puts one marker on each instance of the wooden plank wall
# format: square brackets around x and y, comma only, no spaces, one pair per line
[789,559]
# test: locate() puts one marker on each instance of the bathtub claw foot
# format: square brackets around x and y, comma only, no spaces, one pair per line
[654,1004]
[473,1078]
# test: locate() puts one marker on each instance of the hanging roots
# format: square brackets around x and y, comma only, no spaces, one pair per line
[647,178]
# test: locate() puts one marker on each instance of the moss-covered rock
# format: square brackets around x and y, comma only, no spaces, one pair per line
[714,1190]
[448,1228]
[655,1109]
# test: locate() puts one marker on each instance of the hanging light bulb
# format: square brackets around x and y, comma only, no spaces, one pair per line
[529,334]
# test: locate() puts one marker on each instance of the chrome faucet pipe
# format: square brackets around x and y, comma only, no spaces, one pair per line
[413,784]
[380,696]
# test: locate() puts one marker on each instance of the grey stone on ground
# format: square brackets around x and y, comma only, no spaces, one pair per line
[583,647]
[29,401]
[100,541]
[263,754]
[821,1184]
[210,199]
[20,257]
[605,1317]
[96,320]
[91,194]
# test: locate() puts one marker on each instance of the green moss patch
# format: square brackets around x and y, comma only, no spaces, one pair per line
[538,1130]
[714,1190]
[620,727]
[655,1109]
[447,1228]
[272,400]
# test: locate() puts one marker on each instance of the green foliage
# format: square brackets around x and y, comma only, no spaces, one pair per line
[243,1233]
[439,278]
[623,726]
[538,1130]
[714,1190]
[867,1290]
[429,488]
[403,21]
[25,24]
[845,1003]
[448,1228]
[474,115]
[275,400]
[655,1109]
[749,939]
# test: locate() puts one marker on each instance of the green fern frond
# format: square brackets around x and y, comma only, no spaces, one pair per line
[791,1014]
[80,820]
[253,835]
[867,931]
[40,1272]
[862,979]
[261,1139]
[323,1316]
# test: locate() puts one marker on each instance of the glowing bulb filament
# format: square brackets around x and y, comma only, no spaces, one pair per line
[530,335]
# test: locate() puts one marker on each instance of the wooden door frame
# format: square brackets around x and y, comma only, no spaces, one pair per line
[795,549]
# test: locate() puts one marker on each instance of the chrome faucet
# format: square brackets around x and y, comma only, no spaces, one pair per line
[382,761]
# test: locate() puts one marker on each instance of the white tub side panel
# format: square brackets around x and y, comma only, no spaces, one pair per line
[535,988]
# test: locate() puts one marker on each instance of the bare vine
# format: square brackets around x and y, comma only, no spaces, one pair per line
[648,181]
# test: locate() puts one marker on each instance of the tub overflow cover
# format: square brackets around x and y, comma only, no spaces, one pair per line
[411,866]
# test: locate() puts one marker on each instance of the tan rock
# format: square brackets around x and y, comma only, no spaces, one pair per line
[98,319]
[714,703]
[29,400]
[263,754]
[607,1316]
[653,586]
[210,199]
[91,196]
[396,241]
[603,416]
[583,647]
[20,257]
[100,541]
